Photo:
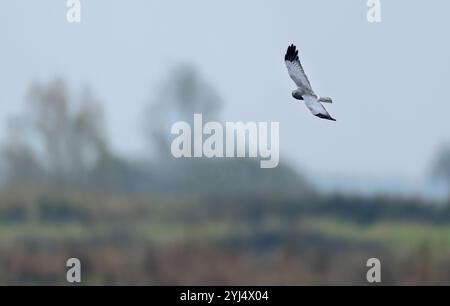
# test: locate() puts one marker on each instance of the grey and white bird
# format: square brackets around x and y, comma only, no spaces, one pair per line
[304,90]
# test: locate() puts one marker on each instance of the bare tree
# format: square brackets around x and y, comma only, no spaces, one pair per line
[184,93]
[20,159]
[60,138]
[441,168]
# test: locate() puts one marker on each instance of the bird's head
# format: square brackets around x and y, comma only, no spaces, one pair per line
[297,95]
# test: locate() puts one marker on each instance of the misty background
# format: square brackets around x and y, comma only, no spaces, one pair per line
[388,80]
[86,111]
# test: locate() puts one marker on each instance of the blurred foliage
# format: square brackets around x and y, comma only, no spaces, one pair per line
[251,238]
[441,168]
[161,221]
[57,140]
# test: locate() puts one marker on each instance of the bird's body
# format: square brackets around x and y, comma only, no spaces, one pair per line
[304,90]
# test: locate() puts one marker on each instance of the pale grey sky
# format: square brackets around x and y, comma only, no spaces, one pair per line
[389,80]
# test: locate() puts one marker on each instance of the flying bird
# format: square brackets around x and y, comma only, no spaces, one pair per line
[304,90]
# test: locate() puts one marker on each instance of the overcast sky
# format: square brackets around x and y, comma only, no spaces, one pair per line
[389,81]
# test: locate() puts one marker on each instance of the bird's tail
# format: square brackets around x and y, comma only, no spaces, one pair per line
[325,100]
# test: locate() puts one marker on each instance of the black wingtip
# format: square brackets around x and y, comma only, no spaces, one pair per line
[322,116]
[291,54]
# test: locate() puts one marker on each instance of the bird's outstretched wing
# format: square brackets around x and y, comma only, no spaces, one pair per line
[316,107]
[295,69]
